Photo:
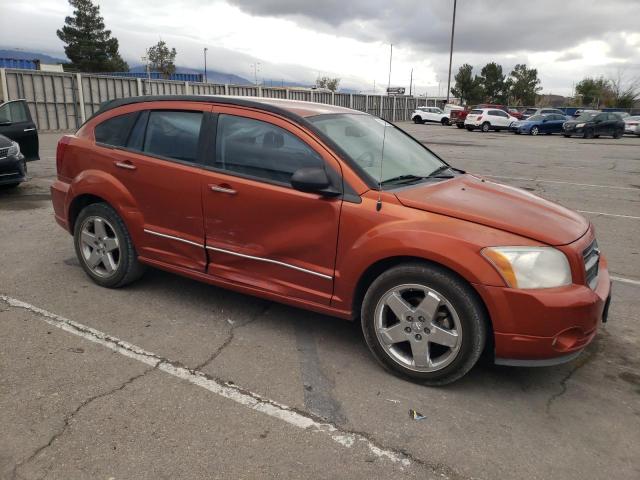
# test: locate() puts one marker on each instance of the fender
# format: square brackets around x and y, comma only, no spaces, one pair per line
[104,185]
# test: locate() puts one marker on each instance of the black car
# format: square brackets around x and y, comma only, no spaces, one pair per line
[13,165]
[16,123]
[594,124]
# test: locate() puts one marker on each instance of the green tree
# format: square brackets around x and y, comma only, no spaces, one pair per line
[88,45]
[523,85]
[162,59]
[594,92]
[624,92]
[328,83]
[493,83]
[467,86]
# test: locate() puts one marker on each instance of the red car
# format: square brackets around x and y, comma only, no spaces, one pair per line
[335,211]
[459,116]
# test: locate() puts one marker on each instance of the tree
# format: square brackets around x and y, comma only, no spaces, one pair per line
[161,59]
[89,46]
[328,83]
[523,85]
[594,92]
[493,83]
[625,92]
[467,87]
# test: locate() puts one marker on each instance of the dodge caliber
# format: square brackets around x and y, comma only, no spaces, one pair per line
[336,211]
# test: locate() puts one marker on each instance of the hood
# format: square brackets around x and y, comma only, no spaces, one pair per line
[5,142]
[499,206]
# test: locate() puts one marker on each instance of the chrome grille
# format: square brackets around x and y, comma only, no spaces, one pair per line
[591,256]
[4,152]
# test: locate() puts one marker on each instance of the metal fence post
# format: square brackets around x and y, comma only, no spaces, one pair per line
[139,86]
[333,97]
[366,103]
[259,90]
[186,88]
[288,94]
[226,89]
[4,87]
[351,100]
[393,111]
[311,99]
[381,100]
[83,116]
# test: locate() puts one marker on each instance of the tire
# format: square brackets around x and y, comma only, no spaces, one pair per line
[460,125]
[588,133]
[445,122]
[566,136]
[534,131]
[417,120]
[459,311]
[109,245]
[9,186]
[617,134]
[470,129]
[486,126]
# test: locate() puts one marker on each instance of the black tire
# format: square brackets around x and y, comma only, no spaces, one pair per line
[486,126]
[445,122]
[617,134]
[566,135]
[417,120]
[9,186]
[588,133]
[471,312]
[128,269]
[460,125]
[534,131]
[469,129]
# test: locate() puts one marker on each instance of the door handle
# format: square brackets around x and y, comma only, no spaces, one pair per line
[220,189]
[29,129]
[126,165]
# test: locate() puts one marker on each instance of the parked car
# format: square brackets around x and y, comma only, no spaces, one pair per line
[429,114]
[13,166]
[460,117]
[530,112]
[594,124]
[296,203]
[547,123]
[622,115]
[16,123]
[511,111]
[488,119]
[457,117]
[632,125]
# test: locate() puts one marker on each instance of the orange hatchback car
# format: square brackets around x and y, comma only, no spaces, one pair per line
[335,211]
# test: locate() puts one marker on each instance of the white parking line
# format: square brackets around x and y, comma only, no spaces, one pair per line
[625,280]
[609,214]
[229,391]
[562,183]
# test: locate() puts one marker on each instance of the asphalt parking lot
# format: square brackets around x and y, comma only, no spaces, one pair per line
[170,378]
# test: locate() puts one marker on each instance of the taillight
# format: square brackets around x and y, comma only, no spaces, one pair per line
[62,146]
[478,118]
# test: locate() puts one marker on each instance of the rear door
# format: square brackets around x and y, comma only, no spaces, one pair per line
[259,230]
[156,155]
[16,124]
[499,119]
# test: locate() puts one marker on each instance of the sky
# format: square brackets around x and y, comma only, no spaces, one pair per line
[565,40]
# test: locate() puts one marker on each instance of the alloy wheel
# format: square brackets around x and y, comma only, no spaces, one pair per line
[100,246]
[418,327]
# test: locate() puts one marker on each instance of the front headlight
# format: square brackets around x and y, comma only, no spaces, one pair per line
[580,125]
[530,267]
[14,150]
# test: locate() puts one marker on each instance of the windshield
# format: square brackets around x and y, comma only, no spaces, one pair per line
[360,136]
[530,111]
[585,117]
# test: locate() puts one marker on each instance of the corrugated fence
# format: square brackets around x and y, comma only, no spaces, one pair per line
[62,101]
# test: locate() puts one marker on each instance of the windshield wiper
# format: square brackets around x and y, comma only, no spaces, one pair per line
[437,173]
[403,179]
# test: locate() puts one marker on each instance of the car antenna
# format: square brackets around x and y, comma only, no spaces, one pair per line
[384,137]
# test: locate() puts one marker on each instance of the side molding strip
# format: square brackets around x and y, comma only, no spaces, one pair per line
[171,237]
[268,260]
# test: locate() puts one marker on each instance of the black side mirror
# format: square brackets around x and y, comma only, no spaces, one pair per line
[313,180]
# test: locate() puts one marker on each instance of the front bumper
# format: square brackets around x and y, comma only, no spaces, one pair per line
[546,326]
[12,170]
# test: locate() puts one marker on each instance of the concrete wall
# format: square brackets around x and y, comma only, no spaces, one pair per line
[62,101]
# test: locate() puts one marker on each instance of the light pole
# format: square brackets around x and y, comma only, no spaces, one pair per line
[390,59]
[205,64]
[453,29]
[256,69]
[410,82]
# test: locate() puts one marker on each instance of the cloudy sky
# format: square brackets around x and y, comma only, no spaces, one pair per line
[297,40]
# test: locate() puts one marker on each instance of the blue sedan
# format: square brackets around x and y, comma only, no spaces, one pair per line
[551,123]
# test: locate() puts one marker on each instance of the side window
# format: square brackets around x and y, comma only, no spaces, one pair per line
[601,118]
[259,149]
[498,113]
[14,112]
[115,131]
[173,134]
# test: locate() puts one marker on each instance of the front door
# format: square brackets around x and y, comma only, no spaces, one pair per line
[259,230]
[16,124]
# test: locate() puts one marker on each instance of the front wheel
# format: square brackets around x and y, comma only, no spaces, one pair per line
[566,135]
[417,120]
[588,133]
[104,247]
[424,323]
[470,129]
[485,127]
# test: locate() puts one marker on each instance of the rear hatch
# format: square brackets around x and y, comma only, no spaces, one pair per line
[474,115]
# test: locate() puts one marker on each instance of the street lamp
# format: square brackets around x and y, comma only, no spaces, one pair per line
[256,69]
[453,29]
[205,64]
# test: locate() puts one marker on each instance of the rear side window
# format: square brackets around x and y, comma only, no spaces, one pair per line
[173,134]
[115,131]
[260,149]
[498,113]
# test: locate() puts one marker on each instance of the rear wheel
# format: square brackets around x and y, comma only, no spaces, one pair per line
[485,127]
[424,323]
[444,121]
[460,125]
[104,247]
[617,134]
[566,135]
[417,120]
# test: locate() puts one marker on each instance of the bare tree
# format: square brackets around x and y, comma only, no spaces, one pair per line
[328,83]
[625,90]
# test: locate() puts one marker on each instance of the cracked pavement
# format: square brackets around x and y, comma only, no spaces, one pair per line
[71,408]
